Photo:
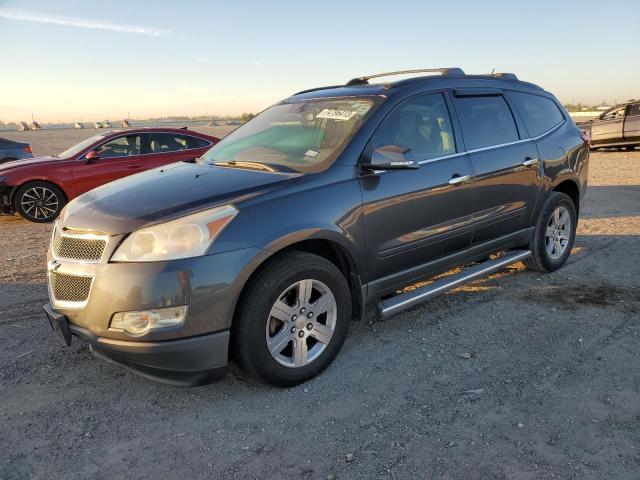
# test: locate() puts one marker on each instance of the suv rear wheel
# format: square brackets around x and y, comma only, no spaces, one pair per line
[292,320]
[39,202]
[554,234]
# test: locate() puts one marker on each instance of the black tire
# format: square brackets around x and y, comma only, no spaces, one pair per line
[253,320]
[39,202]
[6,160]
[540,259]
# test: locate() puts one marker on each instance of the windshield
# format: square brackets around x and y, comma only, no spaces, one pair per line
[304,136]
[70,152]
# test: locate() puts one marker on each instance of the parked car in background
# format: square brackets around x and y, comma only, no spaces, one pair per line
[38,188]
[617,127]
[265,248]
[10,150]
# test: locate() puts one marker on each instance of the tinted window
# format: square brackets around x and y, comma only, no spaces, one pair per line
[634,110]
[195,142]
[486,121]
[538,113]
[167,142]
[121,147]
[422,124]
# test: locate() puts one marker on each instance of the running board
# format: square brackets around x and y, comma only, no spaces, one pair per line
[402,301]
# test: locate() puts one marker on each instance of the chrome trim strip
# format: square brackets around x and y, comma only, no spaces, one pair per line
[491,147]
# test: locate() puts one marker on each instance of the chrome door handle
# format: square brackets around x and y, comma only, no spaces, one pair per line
[459,179]
[530,161]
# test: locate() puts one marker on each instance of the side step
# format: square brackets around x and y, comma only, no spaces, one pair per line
[402,301]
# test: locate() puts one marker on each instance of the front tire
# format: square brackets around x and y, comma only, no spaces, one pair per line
[554,234]
[292,319]
[39,202]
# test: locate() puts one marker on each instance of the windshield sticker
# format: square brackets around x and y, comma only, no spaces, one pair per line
[331,114]
[310,153]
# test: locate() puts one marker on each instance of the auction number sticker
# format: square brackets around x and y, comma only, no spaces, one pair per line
[332,114]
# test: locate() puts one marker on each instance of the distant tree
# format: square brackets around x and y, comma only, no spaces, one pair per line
[245,117]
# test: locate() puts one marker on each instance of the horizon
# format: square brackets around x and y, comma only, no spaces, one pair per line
[72,61]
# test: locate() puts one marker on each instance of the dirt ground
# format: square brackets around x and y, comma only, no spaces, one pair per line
[519,376]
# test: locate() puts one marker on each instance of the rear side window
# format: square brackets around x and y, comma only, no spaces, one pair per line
[486,121]
[634,110]
[421,124]
[539,114]
[167,142]
[194,142]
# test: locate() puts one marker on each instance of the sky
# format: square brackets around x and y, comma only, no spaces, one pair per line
[73,60]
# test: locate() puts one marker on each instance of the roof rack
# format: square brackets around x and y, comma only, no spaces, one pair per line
[443,71]
[508,76]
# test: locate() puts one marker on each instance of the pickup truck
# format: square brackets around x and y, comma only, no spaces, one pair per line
[617,127]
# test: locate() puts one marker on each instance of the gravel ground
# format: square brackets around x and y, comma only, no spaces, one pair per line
[521,376]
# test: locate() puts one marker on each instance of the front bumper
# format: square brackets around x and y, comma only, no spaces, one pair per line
[184,362]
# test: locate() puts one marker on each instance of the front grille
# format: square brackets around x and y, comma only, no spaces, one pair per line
[70,288]
[78,247]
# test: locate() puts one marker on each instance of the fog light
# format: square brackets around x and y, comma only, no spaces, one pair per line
[139,323]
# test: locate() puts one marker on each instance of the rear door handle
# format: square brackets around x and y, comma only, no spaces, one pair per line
[457,179]
[134,165]
[530,161]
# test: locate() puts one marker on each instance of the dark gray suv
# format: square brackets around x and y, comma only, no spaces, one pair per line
[265,248]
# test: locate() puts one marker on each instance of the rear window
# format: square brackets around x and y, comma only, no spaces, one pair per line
[539,114]
[486,121]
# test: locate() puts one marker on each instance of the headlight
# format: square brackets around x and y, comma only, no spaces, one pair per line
[185,237]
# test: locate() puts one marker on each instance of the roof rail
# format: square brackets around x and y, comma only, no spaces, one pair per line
[444,71]
[509,76]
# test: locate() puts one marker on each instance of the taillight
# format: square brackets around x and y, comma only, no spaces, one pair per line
[27,149]
[586,138]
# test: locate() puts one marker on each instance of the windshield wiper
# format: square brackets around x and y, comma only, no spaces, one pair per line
[250,165]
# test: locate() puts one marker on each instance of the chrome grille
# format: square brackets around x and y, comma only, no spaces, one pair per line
[78,247]
[70,288]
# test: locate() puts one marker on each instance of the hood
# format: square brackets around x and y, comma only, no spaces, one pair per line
[165,193]
[28,162]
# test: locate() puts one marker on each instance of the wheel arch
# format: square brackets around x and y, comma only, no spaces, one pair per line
[571,189]
[318,244]
[14,192]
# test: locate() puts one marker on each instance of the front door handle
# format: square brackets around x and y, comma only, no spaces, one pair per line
[134,165]
[457,179]
[530,161]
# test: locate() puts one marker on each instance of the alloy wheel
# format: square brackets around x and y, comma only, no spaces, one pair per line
[301,323]
[558,232]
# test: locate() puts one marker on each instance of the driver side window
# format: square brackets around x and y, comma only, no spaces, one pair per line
[422,124]
[121,147]
[615,113]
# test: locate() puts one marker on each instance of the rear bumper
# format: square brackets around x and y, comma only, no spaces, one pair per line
[184,362]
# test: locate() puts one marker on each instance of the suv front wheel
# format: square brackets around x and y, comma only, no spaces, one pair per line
[292,320]
[554,234]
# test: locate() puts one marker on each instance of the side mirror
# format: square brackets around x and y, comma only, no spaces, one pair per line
[391,157]
[92,156]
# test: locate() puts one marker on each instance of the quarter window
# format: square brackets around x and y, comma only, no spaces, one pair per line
[121,147]
[539,114]
[422,124]
[486,121]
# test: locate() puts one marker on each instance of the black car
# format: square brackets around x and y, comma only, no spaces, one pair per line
[617,127]
[265,248]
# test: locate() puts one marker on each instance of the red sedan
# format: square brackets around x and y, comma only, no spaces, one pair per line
[38,188]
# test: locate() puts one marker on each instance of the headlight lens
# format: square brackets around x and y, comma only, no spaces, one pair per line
[185,237]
